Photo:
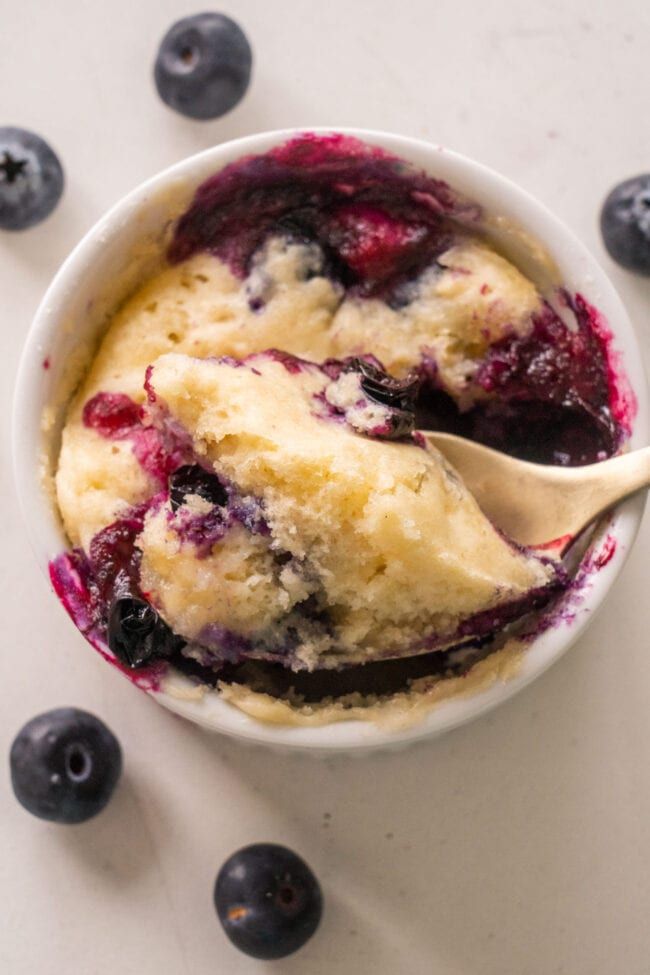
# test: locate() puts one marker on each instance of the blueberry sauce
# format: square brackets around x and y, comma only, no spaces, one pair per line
[605,555]
[114,557]
[112,415]
[556,396]
[622,400]
[159,449]
[87,584]
[566,609]
[111,567]
[553,396]
[377,221]
[378,678]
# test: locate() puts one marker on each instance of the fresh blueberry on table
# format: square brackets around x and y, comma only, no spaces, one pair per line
[203,66]
[268,900]
[65,765]
[31,179]
[625,224]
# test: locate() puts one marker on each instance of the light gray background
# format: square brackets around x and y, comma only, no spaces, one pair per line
[519,845]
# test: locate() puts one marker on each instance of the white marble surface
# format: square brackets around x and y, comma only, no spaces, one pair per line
[519,845]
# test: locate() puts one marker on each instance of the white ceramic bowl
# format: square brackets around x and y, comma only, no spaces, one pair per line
[118,251]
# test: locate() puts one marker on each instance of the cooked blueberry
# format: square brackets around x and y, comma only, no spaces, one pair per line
[136,633]
[194,479]
[625,224]
[385,389]
[398,395]
[299,225]
[65,765]
[112,415]
[31,179]
[203,66]
[375,245]
[400,424]
[268,900]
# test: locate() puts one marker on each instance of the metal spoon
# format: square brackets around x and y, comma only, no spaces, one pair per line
[535,504]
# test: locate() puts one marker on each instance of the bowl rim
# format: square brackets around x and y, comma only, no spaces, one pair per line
[45,534]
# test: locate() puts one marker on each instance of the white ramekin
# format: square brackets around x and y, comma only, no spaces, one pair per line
[118,251]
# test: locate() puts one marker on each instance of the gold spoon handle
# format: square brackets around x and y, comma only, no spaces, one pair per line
[594,489]
[535,504]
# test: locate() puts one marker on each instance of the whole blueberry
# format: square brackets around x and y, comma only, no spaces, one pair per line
[625,224]
[137,634]
[268,900]
[31,179]
[398,395]
[192,479]
[65,765]
[203,66]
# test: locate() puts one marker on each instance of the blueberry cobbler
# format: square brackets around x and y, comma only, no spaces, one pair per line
[241,478]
